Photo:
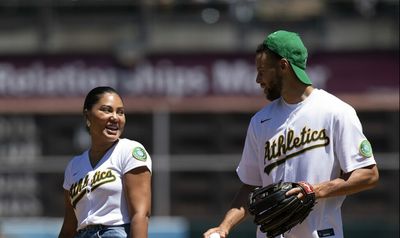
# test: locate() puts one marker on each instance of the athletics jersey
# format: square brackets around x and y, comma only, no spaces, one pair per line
[97,194]
[310,141]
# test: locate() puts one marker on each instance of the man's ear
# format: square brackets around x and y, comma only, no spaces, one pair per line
[284,64]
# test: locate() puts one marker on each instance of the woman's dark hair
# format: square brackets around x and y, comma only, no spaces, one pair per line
[94,96]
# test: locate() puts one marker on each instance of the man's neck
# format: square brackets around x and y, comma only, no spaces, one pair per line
[298,94]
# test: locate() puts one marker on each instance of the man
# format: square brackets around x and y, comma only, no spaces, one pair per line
[304,134]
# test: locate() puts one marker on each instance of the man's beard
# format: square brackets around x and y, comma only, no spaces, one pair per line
[272,95]
[274,91]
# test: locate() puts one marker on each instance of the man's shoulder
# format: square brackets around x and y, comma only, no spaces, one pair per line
[332,102]
[264,114]
[267,109]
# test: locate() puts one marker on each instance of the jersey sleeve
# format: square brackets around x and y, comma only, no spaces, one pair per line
[248,169]
[134,156]
[351,146]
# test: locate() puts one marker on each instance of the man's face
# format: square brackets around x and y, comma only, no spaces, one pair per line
[268,76]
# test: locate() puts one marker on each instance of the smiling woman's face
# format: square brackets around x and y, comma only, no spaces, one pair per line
[106,118]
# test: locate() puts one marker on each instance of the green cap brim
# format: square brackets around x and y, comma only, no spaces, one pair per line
[301,74]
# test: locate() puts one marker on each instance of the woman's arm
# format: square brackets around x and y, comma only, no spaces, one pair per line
[137,185]
[68,229]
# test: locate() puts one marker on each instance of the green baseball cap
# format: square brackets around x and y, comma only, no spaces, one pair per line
[289,46]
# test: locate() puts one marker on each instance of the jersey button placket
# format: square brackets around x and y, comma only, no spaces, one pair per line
[287,168]
[284,155]
[89,194]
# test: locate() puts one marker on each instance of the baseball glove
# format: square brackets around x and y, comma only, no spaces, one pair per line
[277,213]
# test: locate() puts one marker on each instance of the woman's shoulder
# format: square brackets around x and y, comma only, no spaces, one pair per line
[125,142]
[134,148]
[128,145]
[77,160]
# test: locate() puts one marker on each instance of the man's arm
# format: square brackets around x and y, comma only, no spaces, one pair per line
[348,183]
[236,214]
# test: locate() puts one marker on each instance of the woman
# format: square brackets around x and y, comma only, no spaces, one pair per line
[108,187]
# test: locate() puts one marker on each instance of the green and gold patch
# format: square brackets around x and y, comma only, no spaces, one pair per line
[365,149]
[139,153]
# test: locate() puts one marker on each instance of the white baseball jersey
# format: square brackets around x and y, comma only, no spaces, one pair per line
[311,141]
[97,194]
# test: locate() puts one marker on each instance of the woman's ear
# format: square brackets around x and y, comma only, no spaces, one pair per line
[85,114]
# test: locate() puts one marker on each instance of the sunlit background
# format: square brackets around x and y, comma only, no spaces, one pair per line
[185,69]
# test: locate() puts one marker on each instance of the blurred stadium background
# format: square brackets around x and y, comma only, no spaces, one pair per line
[185,69]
